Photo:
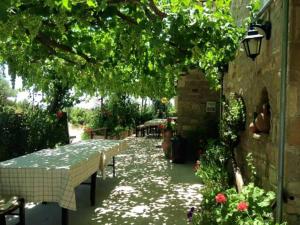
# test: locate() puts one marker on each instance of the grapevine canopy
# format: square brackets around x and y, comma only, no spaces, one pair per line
[138,47]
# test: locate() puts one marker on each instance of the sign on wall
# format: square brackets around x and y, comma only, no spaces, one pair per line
[211,106]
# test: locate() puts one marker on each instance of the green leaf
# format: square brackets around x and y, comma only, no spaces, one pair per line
[91,3]
[66,4]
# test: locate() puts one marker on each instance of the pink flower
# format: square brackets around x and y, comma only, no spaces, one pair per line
[221,198]
[242,206]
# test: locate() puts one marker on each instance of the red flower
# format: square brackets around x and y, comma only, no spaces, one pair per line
[242,206]
[59,114]
[161,126]
[221,198]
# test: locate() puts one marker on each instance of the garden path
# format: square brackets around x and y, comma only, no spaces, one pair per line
[147,190]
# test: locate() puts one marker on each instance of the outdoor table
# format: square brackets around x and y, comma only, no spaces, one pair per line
[152,126]
[51,175]
[155,122]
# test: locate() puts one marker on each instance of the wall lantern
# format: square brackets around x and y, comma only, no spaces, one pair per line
[252,42]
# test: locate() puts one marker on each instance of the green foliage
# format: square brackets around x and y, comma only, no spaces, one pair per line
[80,116]
[258,212]
[233,121]
[147,113]
[32,127]
[254,7]
[119,113]
[45,130]
[213,165]
[134,47]
[253,206]
[5,91]
[251,167]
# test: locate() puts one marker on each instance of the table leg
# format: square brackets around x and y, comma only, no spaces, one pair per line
[2,219]
[64,216]
[22,211]
[114,166]
[93,189]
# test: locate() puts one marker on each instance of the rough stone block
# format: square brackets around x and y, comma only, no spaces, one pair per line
[291,209]
[293,128]
[272,175]
[293,188]
[294,56]
[295,24]
[181,83]
[292,101]
[294,76]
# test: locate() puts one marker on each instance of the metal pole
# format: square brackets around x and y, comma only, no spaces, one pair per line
[283,84]
[264,8]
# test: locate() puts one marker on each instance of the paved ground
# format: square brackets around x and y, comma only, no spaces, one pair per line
[147,190]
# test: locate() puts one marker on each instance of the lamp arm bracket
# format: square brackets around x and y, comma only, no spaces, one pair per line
[266,27]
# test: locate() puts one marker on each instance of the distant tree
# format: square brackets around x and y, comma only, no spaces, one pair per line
[5,91]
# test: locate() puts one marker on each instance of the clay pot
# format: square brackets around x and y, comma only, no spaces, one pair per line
[168,134]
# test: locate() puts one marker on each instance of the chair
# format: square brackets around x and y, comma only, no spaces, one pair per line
[140,130]
[9,205]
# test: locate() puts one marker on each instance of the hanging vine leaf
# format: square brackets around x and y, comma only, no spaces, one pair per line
[135,46]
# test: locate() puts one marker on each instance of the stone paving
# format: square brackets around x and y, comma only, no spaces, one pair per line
[148,190]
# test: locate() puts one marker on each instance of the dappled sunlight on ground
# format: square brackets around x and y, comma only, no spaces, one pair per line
[151,190]
[147,189]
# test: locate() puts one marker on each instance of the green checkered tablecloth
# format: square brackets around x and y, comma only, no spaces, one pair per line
[155,122]
[51,175]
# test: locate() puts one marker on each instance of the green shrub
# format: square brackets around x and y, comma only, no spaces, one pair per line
[213,165]
[80,116]
[146,114]
[250,207]
[233,121]
[118,111]
[30,129]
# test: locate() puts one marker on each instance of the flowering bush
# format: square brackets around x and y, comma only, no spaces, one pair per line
[250,207]
[170,124]
[242,206]
[220,198]
[213,171]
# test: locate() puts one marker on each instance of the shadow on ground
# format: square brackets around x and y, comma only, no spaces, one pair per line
[147,190]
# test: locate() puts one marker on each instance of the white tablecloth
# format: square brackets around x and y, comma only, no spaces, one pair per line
[51,175]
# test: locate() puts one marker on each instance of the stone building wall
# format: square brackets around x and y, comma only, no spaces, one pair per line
[194,122]
[259,80]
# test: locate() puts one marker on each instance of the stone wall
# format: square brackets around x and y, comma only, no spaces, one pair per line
[194,122]
[252,79]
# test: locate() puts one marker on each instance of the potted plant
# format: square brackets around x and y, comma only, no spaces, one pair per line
[167,135]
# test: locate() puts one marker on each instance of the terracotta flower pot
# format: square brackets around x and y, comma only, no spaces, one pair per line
[168,134]
[166,146]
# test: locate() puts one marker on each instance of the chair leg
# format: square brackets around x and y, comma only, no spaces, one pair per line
[2,219]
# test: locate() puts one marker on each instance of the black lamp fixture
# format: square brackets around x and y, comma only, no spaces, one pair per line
[252,42]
